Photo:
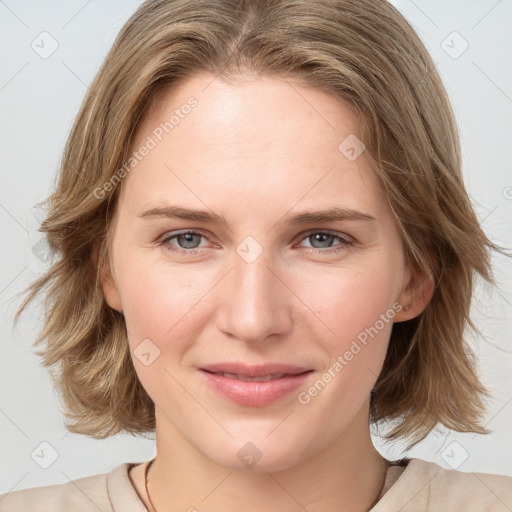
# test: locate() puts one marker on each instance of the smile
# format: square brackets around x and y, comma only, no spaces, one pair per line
[254,391]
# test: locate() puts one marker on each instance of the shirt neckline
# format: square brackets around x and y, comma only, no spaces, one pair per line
[124,496]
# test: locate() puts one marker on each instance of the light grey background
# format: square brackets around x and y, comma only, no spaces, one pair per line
[39,98]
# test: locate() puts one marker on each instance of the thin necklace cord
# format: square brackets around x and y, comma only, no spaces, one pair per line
[146,484]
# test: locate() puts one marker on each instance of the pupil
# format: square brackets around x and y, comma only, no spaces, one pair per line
[318,238]
[188,240]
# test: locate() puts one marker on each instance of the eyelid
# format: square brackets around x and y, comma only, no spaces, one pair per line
[193,231]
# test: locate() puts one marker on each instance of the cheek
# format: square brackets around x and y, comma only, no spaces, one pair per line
[352,322]
[162,302]
[158,302]
[162,305]
[357,308]
[347,300]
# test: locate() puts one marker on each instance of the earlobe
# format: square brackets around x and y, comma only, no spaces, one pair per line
[416,294]
[108,285]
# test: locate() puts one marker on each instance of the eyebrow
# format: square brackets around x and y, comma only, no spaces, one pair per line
[306,217]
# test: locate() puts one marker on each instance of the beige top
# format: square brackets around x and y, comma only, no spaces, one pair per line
[420,486]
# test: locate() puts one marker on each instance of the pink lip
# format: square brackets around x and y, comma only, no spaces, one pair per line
[254,393]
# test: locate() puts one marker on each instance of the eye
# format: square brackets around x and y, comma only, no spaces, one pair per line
[323,239]
[188,241]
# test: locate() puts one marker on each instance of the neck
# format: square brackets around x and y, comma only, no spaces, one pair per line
[347,475]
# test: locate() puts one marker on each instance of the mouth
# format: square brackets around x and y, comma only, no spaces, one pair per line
[269,370]
[247,378]
[254,386]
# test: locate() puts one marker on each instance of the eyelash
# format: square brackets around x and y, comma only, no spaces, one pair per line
[345,242]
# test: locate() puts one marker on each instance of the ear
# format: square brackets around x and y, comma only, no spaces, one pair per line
[107,281]
[417,289]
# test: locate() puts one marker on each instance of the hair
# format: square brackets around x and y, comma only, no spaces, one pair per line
[362,51]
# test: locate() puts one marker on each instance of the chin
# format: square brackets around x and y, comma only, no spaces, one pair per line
[259,455]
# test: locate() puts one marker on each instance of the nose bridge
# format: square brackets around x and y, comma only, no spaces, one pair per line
[255,303]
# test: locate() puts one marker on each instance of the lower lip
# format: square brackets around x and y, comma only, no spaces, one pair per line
[254,393]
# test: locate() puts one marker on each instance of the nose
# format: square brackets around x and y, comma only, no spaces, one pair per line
[254,301]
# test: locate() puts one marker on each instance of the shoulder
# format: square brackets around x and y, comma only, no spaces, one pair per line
[426,486]
[91,493]
[82,494]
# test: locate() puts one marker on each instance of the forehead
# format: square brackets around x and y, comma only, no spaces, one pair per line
[266,138]
[268,103]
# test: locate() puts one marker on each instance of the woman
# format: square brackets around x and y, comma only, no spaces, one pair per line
[264,246]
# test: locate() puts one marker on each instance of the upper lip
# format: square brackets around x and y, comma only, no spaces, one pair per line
[250,370]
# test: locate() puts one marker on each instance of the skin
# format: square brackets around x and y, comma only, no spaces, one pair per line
[256,152]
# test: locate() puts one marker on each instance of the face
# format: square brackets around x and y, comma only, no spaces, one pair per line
[255,280]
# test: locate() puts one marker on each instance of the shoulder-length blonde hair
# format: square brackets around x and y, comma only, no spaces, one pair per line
[365,52]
